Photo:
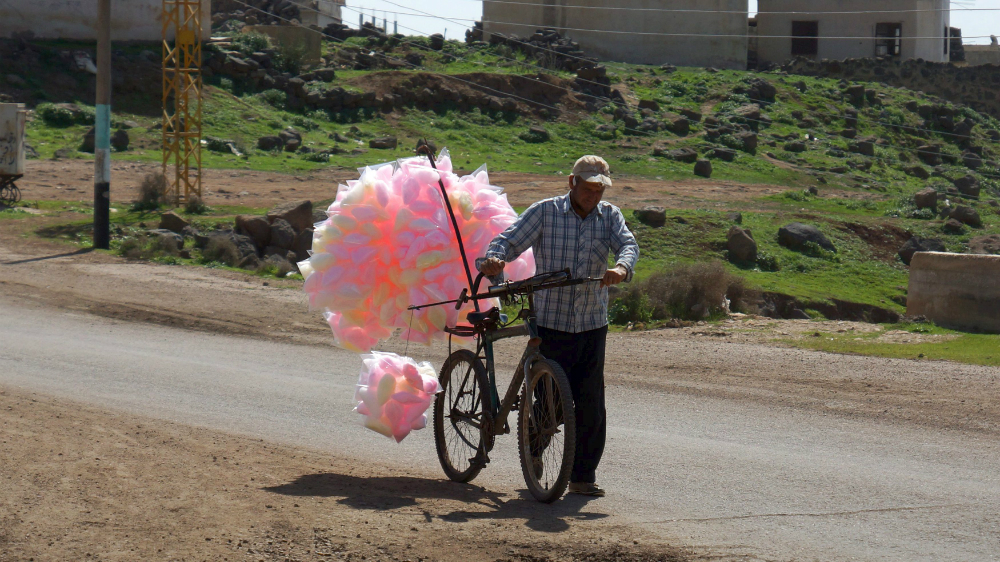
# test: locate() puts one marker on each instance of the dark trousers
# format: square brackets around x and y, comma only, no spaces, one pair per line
[582,357]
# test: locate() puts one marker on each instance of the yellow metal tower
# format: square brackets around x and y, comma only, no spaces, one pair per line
[182,98]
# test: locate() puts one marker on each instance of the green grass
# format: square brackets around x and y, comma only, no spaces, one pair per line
[974,349]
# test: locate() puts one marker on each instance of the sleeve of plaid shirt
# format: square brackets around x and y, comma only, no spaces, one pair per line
[518,237]
[623,243]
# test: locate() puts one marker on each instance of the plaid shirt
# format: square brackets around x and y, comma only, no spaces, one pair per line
[561,240]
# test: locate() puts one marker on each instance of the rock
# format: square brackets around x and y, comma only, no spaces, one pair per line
[855,94]
[749,112]
[966,215]
[749,140]
[918,172]
[849,133]
[302,245]
[269,143]
[88,141]
[535,134]
[725,154]
[953,226]
[972,160]
[680,126]
[249,261]
[167,236]
[985,244]
[173,222]
[244,244]
[120,140]
[968,185]
[282,234]
[292,145]
[918,244]
[691,114]
[299,214]
[703,168]
[795,146]
[866,148]
[652,216]
[994,135]
[929,154]
[337,137]
[796,235]
[437,41]
[257,228]
[735,217]
[687,155]
[741,245]
[384,143]
[926,199]
[649,104]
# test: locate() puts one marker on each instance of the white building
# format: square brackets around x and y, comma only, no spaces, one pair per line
[680,32]
[131,20]
[901,29]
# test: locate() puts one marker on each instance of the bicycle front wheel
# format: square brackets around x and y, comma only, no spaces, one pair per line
[461,411]
[546,430]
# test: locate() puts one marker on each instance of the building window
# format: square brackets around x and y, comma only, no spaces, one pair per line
[805,38]
[887,39]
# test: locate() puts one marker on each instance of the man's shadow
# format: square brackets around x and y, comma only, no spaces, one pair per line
[402,491]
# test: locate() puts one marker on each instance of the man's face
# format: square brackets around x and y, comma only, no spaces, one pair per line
[586,194]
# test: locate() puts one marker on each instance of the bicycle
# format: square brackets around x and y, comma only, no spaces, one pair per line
[10,194]
[468,414]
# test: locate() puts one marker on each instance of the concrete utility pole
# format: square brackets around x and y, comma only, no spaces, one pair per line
[102,129]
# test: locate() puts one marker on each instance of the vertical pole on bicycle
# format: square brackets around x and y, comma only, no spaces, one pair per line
[423,148]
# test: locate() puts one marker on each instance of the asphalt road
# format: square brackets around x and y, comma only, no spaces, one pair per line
[720,476]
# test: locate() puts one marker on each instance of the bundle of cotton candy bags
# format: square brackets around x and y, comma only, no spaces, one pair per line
[394,393]
[389,244]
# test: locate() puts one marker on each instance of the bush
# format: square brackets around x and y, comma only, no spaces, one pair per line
[144,247]
[634,307]
[62,117]
[290,57]
[221,249]
[276,266]
[697,291]
[250,42]
[152,193]
[195,206]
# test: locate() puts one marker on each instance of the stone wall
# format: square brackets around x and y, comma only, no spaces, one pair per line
[975,86]
[956,290]
[131,20]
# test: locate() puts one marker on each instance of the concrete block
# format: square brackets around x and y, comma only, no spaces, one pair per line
[956,290]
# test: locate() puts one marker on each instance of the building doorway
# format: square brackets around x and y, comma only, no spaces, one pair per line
[805,38]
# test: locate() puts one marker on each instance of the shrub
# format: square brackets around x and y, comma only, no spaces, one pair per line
[250,42]
[221,249]
[144,247]
[321,157]
[697,291]
[276,266]
[634,306]
[152,193]
[290,57]
[62,117]
[195,206]
[274,97]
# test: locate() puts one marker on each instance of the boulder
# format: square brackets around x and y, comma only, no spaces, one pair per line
[167,237]
[918,172]
[864,147]
[796,235]
[929,154]
[972,160]
[269,142]
[966,215]
[652,216]
[297,213]
[120,140]
[384,143]
[703,168]
[741,245]
[726,154]
[244,244]
[855,94]
[795,146]
[953,226]
[690,114]
[437,41]
[968,185]
[249,261]
[926,199]
[918,244]
[749,140]
[302,245]
[735,217]
[849,133]
[282,234]
[88,141]
[257,228]
[173,222]
[680,126]
[649,104]
[687,155]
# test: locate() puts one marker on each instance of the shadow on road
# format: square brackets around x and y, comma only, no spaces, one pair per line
[403,491]
[43,258]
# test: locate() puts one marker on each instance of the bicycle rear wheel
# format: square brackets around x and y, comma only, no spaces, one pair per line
[546,431]
[461,411]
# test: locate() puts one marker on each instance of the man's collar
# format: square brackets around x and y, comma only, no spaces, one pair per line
[567,206]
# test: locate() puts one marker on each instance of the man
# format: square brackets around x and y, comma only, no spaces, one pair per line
[576,231]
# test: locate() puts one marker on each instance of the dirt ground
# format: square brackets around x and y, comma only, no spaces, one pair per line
[72,180]
[79,483]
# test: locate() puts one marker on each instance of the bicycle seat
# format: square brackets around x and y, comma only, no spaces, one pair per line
[476,318]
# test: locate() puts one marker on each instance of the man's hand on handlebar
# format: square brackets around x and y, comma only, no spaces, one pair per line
[614,276]
[492,267]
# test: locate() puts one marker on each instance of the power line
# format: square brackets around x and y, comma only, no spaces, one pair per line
[745,12]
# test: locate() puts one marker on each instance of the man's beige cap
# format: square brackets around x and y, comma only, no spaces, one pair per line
[594,169]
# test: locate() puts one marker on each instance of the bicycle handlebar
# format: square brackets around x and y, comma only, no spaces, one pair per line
[540,282]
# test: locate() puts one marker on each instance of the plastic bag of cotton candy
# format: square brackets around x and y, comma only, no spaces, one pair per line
[389,244]
[394,393]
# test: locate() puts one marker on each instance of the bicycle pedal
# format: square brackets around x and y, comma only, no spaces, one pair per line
[480,461]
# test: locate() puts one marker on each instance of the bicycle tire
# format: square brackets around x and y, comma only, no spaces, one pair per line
[539,421]
[463,407]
